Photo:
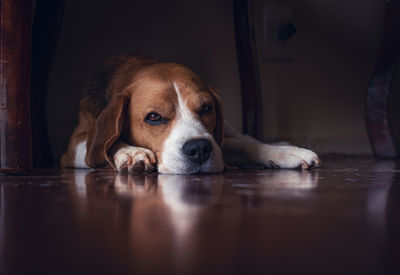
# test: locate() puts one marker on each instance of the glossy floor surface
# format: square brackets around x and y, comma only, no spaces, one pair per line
[342,218]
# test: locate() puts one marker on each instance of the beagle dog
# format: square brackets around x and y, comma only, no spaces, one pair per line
[139,114]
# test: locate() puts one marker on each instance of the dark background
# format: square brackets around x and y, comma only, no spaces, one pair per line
[315,100]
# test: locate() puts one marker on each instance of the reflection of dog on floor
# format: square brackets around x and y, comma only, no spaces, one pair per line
[139,114]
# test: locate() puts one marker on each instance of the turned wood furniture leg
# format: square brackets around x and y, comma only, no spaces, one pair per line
[248,69]
[383,96]
[15,58]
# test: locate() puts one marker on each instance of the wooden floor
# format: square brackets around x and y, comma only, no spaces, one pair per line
[342,218]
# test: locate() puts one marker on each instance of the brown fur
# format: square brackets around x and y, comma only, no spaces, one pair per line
[117,100]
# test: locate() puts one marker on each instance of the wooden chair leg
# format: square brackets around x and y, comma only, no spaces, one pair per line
[47,23]
[248,69]
[15,56]
[383,96]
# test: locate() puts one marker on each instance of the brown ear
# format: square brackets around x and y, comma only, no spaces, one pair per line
[105,132]
[219,125]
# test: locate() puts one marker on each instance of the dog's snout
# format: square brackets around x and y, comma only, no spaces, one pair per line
[197,150]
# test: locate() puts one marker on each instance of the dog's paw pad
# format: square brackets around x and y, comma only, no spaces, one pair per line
[134,159]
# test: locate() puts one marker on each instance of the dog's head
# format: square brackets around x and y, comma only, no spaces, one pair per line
[168,109]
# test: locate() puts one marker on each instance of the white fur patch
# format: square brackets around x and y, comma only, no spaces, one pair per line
[80,154]
[286,156]
[186,128]
[247,150]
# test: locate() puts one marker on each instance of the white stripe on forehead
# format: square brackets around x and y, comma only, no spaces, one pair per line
[187,123]
[182,108]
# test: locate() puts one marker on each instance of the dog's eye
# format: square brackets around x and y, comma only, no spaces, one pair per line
[154,118]
[205,109]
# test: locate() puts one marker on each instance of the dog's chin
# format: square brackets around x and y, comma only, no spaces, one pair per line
[183,167]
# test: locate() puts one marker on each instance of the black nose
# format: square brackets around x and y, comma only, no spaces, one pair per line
[197,150]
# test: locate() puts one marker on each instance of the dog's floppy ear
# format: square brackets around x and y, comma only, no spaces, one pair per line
[219,125]
[106,131]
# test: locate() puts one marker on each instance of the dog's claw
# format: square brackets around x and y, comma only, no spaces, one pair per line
[317,162]
[304,165]
[274,165]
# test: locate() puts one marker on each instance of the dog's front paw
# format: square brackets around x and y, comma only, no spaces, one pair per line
[134,159]
[288,157]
